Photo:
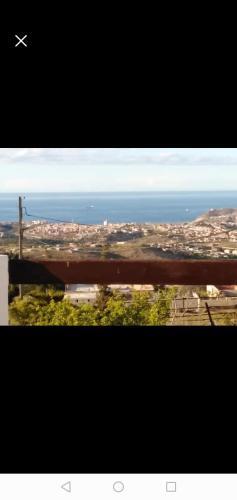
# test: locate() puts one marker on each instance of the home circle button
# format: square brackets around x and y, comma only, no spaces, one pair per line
[118,486]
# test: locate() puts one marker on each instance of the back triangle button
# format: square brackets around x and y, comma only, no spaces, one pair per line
[67,487]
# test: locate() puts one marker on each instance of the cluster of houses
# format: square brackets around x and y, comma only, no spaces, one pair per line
[42,228]
[87,293]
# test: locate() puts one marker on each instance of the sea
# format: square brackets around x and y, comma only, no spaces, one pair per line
[115,207]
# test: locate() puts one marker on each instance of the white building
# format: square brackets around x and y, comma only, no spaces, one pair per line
[87,293]
[143,288]
[120,288]
[212,291]
[81,293]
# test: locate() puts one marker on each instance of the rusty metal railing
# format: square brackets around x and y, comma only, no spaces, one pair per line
[167,272]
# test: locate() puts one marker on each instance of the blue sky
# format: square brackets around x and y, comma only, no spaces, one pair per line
[117,169]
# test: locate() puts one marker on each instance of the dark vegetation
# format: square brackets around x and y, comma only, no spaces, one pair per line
[43,306]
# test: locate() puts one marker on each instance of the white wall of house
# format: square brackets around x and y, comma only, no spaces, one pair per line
[212,290]
[81,288]
[4,282]
[143,288]
[81,293]
[81,297]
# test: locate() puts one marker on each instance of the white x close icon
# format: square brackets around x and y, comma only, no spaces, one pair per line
[21,40]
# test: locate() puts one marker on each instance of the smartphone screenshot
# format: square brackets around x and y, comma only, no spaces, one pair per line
[118,270]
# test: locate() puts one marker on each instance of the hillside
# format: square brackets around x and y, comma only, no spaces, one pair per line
[223,214]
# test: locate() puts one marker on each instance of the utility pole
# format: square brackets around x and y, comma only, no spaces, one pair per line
[20,237]
[209,314]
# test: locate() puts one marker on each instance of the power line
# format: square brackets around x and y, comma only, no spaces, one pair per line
[54,219]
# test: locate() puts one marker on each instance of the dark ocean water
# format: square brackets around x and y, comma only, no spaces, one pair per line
[94,208]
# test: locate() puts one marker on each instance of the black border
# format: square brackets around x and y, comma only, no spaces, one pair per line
[175,389]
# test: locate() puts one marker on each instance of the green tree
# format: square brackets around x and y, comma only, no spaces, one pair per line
[115,313]
[158,287]
[24,311]
[58,314]
[86,315]
[42,309]
[159,313]
[43,292]
[139,308]
[102,296]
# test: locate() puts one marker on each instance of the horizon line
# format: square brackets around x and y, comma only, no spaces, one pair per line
[130,191]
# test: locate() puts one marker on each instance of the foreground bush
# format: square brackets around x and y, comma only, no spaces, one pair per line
[49,309]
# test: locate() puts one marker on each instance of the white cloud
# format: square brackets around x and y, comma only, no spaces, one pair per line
[115,169]
[118,156]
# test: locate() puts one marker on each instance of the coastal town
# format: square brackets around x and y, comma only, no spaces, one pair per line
[212,235]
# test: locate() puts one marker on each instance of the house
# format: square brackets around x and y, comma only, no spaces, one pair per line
[226,290]
[120,288]
[130,288]
[212,291]
[81,293]
[143,288]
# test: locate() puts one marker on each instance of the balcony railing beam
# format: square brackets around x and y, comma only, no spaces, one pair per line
[167,272]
